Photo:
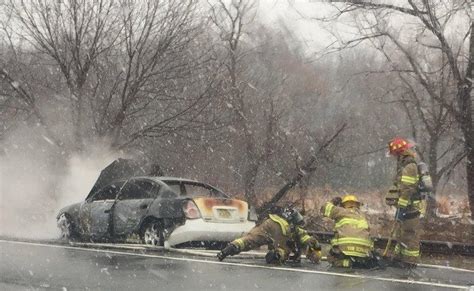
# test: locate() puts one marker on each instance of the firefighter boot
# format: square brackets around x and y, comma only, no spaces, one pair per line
[275,257]
[229,250]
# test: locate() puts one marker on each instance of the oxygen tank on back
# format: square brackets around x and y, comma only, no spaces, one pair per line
[425,184]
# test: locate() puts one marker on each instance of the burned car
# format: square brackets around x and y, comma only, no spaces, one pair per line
[157,209]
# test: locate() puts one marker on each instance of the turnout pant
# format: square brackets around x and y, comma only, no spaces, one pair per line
[338,259]
[407,248]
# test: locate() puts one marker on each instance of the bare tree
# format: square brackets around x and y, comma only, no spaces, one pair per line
[132,69]
[232,20]
[16,103]
[161,84]
[73,34]
[430,121]
[433,20]
[264,80]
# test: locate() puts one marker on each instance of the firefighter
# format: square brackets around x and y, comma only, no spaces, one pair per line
[283,234]
[351,246]
[405,197]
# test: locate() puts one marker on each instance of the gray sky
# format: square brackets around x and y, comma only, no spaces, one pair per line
[297,16]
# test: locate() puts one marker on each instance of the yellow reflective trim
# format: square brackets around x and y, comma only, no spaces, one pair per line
[397,249]
[346,263]
[281,252]
[328,209]
[301,231]
[353,240]
[355,254]
[282,222]
[358,223]
[409,180]
[305,238]
[403,202]
[239,242]
[410,253]
[358,249]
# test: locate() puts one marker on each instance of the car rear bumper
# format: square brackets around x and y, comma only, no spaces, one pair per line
[199,230]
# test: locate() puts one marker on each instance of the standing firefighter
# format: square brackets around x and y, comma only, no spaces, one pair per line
[405,197]
[284,236]
[351,246]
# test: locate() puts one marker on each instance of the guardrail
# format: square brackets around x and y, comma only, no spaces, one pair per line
[427,246]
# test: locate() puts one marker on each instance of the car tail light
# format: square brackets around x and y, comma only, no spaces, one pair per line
[190,210]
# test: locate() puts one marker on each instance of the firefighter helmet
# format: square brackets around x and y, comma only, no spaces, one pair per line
[292,216]
[398,145]
[350,198]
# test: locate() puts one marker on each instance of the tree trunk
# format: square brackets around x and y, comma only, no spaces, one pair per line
[433,168]
[250,178]
[467,127]
[470,172]
[465,104]
[79,116]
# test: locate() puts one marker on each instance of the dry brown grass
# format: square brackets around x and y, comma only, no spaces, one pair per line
[443,204]
[464,208]
[310,200]
[380,215]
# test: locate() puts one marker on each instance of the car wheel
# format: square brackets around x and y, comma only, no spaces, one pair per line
[152,234]
[66,227]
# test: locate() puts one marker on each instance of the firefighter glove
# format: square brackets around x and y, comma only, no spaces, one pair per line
[313,243]
[229,250]
[314,255]
[274,257]
[337,201]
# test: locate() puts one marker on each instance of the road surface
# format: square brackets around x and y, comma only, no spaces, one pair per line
[41,266]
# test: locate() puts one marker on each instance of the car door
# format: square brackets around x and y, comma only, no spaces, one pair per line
[132,205]
[95,212]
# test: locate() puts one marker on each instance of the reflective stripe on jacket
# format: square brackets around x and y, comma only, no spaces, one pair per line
[351,230]
[286,229]
[406,181]
[284,225]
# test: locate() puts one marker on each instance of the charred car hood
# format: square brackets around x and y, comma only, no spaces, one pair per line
[120,169]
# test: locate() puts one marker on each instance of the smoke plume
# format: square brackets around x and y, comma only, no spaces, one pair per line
[37,179]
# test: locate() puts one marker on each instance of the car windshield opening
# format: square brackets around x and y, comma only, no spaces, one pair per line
[190,189]
[195,190]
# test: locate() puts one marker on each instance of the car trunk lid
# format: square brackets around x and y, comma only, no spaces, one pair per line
[223,210]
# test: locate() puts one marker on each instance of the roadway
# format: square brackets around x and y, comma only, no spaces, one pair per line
[53,266]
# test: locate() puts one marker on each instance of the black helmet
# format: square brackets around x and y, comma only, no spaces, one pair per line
[292,216]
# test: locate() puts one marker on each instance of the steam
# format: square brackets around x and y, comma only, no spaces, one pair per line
[37,180]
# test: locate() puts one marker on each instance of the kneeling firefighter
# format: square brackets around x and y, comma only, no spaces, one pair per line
[352,245]
[283,234]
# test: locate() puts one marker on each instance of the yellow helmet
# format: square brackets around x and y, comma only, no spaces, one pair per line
[350,198]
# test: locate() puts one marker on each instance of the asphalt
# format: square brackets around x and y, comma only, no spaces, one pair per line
[40,266]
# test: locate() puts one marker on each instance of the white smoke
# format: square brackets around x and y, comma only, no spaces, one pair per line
[36,180]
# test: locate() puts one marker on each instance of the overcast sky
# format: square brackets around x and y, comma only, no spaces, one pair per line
[296,14]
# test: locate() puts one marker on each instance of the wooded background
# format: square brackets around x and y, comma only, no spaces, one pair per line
[207,90]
